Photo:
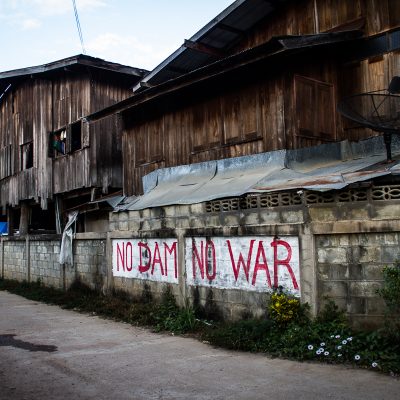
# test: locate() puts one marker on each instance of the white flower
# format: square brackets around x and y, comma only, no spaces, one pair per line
[318,352]
[322,344]
[310,347]
[357,357]
[374,365]
[344,341]
[339,355]
[337,336]
[326,353]
[339,347]
[321,349]
[332,336]
[349,339]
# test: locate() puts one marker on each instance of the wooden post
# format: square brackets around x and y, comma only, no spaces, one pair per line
[24,220]
[10,221]
[110,278]
[28,258]
[2,258]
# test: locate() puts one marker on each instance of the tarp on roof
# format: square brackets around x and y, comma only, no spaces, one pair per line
[321,168]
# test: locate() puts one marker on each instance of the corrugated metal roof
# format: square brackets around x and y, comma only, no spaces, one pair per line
[223,32]
[327,167]
[81,59]
[12,76]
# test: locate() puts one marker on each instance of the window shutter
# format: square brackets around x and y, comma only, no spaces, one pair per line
[68,141]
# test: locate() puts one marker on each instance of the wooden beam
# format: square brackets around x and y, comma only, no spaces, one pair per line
[177,70]
[202,48]
[145,84]
[231,29]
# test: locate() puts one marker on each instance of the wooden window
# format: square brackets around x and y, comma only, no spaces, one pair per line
[315,112]
[73,137]
[75,134]
[241,117]
[26,156]
[5,161]
[206,125]
[149,143]
[57,142]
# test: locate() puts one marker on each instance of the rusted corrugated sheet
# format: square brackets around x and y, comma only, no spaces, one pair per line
[322,168]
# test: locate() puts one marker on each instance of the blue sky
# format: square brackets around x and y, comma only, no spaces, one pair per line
[139,33]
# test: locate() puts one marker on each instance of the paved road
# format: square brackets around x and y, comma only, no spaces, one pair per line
[50,353]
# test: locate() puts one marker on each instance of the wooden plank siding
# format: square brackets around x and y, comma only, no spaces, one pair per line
[38,105]
[289,106]
[302,17]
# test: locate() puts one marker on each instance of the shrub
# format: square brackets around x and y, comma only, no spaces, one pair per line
[390,291]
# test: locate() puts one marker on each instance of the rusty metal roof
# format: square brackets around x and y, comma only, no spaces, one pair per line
[321,168]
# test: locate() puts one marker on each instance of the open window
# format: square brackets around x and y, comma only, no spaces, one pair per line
[68,139]
[58,142]
[26,155]
[75,136]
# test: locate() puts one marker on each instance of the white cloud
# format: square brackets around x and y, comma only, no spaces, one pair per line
[108,41]
[57,7]
[30,23]
[127,50]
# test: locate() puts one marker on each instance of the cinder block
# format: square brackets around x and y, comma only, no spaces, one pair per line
[322,214]
[356,305]
[123,225]
[356,272]
[292,217]
[390,254]
[375,306]
[252,219]
[270,216]
[333,255]
[391,211]
[182,210]
[390,238]
[230,219]
[363,288]
[344,240]
[370,254]
[339,271]
[333,289]
[198,208]
[372,272]
[323,271]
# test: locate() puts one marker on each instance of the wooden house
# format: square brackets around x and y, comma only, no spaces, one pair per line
[261,76]
[51,159]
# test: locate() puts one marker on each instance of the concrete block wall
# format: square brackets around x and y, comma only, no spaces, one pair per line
[33,258]
[14,265]
[349,271]
[343,248]
[43,260]
[90,263]
[185,221]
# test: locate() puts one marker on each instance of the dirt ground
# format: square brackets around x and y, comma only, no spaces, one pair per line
[50,353]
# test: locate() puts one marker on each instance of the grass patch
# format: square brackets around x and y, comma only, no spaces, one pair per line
[288,332]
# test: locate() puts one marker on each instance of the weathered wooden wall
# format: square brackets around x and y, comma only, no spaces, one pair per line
[98,164]
[291,105]
[301,17]
[33,108]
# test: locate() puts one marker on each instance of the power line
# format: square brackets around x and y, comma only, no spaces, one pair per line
[78,25]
